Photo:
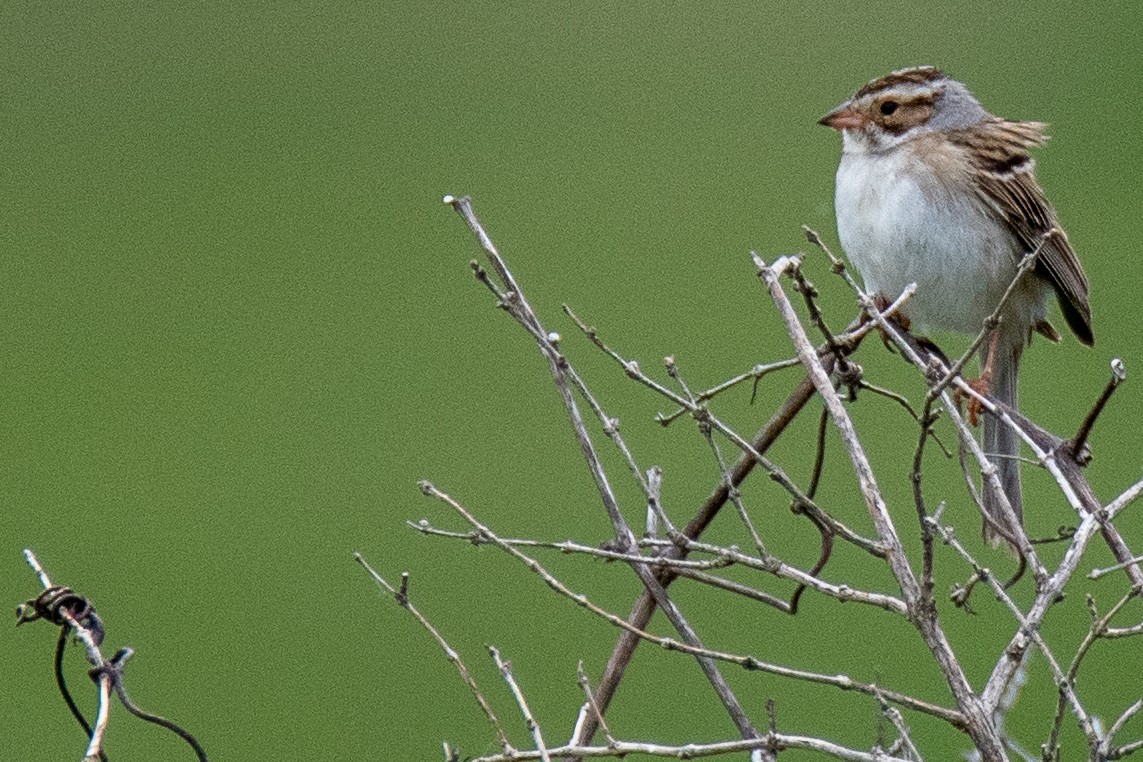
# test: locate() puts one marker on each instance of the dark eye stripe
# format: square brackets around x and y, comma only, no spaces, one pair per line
[905,102]
[907,113]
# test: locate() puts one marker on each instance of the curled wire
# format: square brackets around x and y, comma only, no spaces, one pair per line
[62,606]
[113,669]
[66,609]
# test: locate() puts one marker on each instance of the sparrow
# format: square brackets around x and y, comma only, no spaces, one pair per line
[932,189]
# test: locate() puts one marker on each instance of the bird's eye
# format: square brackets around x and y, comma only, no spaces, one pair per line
[888,107]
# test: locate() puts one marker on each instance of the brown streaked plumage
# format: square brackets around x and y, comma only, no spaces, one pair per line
[1005,180]
[916,76]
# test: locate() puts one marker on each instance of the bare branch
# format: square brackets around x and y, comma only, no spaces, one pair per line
[903,736]
[402,598]
[645,606]
[658,561]
[922,613]
[755,374]
[770,741]
[748,662]
[591,704]
[1126,498]
[562,375]
[533,726]
[802,500]
[1065,682]
[1097,573]
[1117,726]
[724,556]
[1118,376]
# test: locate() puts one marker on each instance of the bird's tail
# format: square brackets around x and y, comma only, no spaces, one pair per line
[1000,442]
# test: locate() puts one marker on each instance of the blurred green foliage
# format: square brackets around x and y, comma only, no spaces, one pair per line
[237,325]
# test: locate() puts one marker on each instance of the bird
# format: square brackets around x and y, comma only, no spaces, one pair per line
[933,189]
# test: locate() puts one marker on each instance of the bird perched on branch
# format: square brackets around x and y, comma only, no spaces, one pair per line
[933,189]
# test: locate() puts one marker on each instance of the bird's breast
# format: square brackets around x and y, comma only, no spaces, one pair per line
[901,221]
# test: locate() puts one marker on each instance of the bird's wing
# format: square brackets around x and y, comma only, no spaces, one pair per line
[1006,181]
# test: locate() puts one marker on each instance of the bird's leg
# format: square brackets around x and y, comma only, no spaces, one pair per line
[923,344]
[882,302]
[983,384]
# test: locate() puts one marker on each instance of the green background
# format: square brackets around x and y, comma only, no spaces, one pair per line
[237,325]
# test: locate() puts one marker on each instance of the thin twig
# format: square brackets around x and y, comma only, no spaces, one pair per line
[723,556]
[1118,376]
[749,662]
[563,375]
[903,736]
[777,474]
[1065,681]
[732,492]
[927,583]
[900,400]
[402,598]
[644,607]
[1126,749]
[533,726]
[1126,498]
[1097,573]
[1097,630]
[992,321]
[770,741]
[591,704]
[755,374]
[1123,632]
[1117,726]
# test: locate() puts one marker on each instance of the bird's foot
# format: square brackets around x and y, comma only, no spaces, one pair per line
[983,387]
[882,303]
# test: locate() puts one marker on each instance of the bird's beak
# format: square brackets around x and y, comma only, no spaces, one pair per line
[844,117]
